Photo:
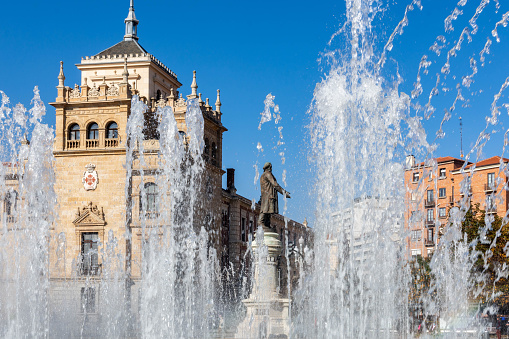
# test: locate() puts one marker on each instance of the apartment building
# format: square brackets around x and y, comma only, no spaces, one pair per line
[435,186]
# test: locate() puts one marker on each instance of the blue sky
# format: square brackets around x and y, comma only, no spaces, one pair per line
[250,49]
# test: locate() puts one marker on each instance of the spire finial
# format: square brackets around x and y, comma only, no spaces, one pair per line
[130,25]
[218,103]
[61,76]
[200,100]
[125,74]
[194,87]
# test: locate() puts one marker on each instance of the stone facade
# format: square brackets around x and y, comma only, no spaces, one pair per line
[99,203]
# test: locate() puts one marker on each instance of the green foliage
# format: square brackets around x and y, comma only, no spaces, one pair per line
[421,279]
[488,236]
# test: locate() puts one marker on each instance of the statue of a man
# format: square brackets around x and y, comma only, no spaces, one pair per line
[269,203]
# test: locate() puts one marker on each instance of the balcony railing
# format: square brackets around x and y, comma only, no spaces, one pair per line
[111,142]
[469,191]
[429,203]
[451,199]
[429,242]
[151,215]
[491,210]
[93,143]
[11,219]
[88,269]
[490,187]
[430,223]
[72,144]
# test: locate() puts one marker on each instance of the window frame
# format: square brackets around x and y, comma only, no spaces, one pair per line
[440,215]
[91,130]
[74,134]
[415,177]
[149,202]
[430,212]
[416,235]
[444,190]
[442,173]
[110,129]
[430,195]
[243,229]
[431,234]
[490,179]
[89,256]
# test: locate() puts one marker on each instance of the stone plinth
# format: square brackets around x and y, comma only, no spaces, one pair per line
[267,312]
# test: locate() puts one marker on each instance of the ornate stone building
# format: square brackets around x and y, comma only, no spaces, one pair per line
[98,201]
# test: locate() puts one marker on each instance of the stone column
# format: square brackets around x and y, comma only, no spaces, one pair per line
[267,311]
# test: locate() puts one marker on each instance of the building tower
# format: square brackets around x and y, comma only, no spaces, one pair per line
[90,153]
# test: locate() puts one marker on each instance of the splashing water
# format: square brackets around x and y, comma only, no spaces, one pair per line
[359,283]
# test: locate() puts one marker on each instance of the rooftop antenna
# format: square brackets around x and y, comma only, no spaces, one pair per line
[461,138]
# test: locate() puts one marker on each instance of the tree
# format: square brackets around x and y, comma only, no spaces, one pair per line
[489,237]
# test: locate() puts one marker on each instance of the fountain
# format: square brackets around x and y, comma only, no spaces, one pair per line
[360,277]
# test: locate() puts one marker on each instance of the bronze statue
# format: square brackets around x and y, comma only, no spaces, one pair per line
[269,203]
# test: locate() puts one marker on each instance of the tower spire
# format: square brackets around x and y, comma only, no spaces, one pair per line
[61,76]
[194,88]
[130,25]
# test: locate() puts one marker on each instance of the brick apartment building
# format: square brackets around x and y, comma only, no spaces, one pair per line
[436,186]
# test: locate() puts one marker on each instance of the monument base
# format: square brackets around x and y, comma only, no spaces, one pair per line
[267,312]
[265,318]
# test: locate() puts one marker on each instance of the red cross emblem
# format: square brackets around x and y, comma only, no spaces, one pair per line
[90,179]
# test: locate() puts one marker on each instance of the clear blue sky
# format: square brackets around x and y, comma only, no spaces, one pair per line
[250,49]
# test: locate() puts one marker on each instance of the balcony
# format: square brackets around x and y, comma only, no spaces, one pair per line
[90,269]
[451,200]
[491,210]
[429,242]
[111,142]
[490,187]
[469,191]
[429,203]
[73,144]
[151,215]
[430,223]
[11,219]
[92,143]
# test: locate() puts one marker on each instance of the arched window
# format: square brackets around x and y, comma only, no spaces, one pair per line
[206,150]
[112,131]
[93,131]
[74,132]
[214,150]
[150,203]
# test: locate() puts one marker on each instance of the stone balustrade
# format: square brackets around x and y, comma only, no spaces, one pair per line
[72,145]
[111,143]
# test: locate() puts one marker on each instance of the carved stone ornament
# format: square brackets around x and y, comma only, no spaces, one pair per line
[90,178]
[94,91]
[75,93]
[181,102]
[161,102]
[112,90]
[89,215]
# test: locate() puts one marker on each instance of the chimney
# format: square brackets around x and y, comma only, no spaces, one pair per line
[230,179]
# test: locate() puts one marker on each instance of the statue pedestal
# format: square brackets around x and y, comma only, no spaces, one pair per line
[267,312]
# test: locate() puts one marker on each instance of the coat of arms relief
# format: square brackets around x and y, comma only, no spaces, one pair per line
[90,178]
